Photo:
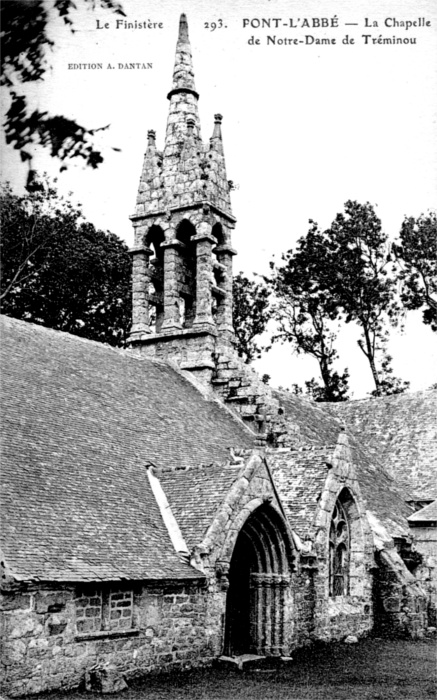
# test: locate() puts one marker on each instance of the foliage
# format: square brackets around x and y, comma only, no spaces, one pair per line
[58,270]
[319,392]
[251,313]
[26,43]
[416,254]
[359,276]
[342,274]
[306,311]
[388,383]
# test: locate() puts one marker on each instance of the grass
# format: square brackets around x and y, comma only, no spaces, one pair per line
[373,669]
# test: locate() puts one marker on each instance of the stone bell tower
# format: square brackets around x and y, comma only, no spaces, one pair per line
[182,256]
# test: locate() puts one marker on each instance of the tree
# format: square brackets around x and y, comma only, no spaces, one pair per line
[359,276]
[306,311]
[58,270]
[341,274]
[25,44]
[251,314]
[416,254]
[318,392]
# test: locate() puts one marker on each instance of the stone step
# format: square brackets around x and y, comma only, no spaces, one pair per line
[253,662]
[242,662]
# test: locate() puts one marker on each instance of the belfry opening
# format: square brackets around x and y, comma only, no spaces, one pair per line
[259,583]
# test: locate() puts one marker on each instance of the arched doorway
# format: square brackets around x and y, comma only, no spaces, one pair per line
[259,576]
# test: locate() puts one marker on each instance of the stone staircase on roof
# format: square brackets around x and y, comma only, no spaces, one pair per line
[240,387]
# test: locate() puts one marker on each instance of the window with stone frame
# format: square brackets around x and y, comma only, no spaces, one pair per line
[103,610]
[339,551]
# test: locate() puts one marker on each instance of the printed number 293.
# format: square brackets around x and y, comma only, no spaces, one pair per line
[212,26]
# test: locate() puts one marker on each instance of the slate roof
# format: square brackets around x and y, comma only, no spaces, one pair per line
[300,473]
[300,476]
[428,514]
[83,420]
[400,432]
[318,428]
[79,428]
[195,496]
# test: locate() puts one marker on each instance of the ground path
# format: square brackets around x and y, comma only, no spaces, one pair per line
[370,670]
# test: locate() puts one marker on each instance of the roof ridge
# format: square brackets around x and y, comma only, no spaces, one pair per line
[124,352]
[382,399]
[40,328]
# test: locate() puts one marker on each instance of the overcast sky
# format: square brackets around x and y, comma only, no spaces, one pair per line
[306,126]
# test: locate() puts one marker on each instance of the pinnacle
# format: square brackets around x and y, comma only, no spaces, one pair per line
[217,133]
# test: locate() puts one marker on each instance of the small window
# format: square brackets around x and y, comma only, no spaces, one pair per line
[103,611]
[339,550]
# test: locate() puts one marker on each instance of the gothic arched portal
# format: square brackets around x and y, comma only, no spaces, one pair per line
[259,576]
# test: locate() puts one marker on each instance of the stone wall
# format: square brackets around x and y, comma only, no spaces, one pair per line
[55,635]
[191,350]
[400,601]
[318,617]
[425,542]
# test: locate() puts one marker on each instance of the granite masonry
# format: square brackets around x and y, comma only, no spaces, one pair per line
[163,507]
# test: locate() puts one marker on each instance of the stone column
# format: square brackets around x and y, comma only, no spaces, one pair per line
[171,292]
[224,312]
[268,613]
[282,585]
[204,241]
[140,281]
[254,613]
[261,584]
[274,615]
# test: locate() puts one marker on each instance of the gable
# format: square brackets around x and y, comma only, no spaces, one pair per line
[204,497]
[301,471]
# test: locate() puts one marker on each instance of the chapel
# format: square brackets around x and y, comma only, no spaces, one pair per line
[163,508]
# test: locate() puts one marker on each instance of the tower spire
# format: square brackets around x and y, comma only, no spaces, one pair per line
[183,98]
[183,73]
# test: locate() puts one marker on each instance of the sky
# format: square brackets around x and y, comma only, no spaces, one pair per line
[306,126]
